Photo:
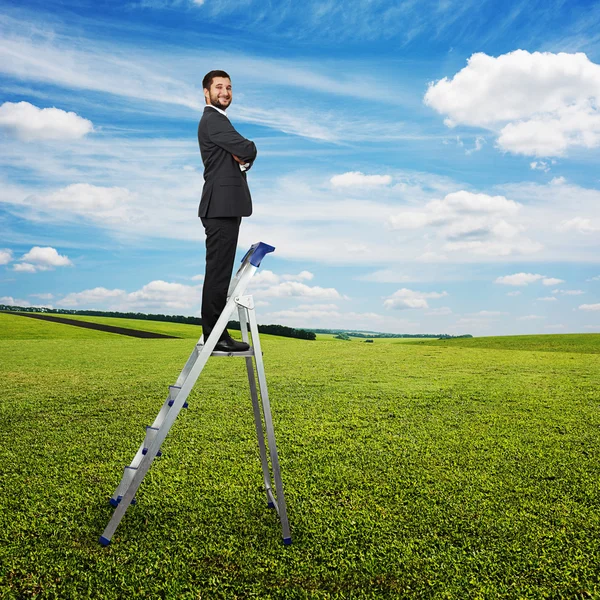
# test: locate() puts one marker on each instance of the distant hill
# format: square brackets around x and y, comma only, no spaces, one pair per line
[379,334]
[280,330]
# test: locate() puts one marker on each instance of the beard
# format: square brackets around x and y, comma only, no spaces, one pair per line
[214,100]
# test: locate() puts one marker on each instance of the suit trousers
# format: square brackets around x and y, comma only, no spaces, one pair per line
[221,244]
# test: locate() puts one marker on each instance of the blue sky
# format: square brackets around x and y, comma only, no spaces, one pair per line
[423,167]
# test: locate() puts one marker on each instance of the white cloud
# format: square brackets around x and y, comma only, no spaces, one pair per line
[111,205]
[330,316]
[455,205]
[386,276]
[302,276]
[589,307]
[30,123]
[479,142]
[164,294]
[288,289]
[407,299]
[519,279]
[41,259]
[358,179]
[91,298]
[306,313]
[579,224]
[267,284]
[431,257]
[156,295]
[43,296]
[439,312]
[489,313]
[479,223]
[547,299]
[265,278]
[551,107]
[199,277]
[539,166]
[5,256]
[568,292]
[596,278]
[494,248]
[517,293]
[526,279]
[531,318]
[46,257]
[10,301]
[27,268]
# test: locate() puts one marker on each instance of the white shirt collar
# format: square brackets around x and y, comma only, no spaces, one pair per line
[218,109]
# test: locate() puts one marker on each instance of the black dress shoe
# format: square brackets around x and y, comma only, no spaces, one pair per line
[231,345]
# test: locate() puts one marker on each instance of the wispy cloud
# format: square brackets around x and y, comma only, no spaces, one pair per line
[153,82]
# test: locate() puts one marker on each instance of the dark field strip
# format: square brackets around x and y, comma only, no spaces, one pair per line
[98,326]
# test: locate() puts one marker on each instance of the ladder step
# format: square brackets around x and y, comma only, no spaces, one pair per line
[247,353]
[150,435]
[126,480]
[185,404]
[114,502]
[173,393]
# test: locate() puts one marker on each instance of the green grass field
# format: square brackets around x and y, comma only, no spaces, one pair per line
[458,469]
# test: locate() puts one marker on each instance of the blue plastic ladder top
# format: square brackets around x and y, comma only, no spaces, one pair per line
[257,252]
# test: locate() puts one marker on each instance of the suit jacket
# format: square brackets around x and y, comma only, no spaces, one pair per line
[225,192]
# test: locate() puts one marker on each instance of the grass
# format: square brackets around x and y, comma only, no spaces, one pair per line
[588,343]
[421,471]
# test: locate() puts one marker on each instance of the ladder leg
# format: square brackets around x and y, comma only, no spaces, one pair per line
[153,449]
[128,496]
[256,410]
[264,394]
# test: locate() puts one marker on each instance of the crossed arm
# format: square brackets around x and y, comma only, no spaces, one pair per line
[223,134]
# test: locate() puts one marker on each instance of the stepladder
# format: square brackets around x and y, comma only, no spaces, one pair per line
[178,393]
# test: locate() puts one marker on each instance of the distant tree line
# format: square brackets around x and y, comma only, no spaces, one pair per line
[280,330]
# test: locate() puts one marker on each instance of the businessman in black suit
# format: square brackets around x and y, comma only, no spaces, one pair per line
[227,156]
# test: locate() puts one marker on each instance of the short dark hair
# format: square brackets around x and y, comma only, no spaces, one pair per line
[208,78]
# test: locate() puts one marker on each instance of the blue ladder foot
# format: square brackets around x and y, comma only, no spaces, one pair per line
[104,541]
[270,504]
[116,502]
[145,451]
[287,541]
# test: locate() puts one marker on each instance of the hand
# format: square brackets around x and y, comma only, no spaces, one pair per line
[238,160]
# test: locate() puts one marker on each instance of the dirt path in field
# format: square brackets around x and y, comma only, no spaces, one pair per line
[99,326]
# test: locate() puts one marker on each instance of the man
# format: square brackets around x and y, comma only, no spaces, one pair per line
[225,199]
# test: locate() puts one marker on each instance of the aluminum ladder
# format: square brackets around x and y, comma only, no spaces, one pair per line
[156,433]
